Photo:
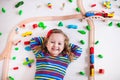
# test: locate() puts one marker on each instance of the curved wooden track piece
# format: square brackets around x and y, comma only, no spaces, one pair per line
[7,51]
[5,56]
[51,18]
[91,34]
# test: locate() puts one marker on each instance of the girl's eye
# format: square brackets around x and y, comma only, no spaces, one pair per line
[52,42]
[59,43]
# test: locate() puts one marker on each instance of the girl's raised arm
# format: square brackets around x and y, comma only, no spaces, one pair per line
[35,45]
[36,42]
[76,50]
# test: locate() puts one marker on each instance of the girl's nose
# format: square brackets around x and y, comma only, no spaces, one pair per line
[55,44]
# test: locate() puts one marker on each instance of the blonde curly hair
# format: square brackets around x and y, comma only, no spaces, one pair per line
[66,49]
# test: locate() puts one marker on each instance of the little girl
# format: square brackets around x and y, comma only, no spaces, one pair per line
[53,55]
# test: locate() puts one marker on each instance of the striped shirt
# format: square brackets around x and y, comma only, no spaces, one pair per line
[48,67]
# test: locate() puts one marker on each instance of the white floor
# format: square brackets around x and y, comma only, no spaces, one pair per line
[108,37]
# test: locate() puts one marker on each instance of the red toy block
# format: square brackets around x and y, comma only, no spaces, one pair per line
[26,42]
[23,25]
[101,71]
[35,26]
[91,50]
[93,5]
[98,14]
[105,15]
[91,66]
[15,68]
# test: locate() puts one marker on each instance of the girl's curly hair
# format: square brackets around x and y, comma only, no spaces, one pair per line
[66,49]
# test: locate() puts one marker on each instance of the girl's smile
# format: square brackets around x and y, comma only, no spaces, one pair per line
[55,44]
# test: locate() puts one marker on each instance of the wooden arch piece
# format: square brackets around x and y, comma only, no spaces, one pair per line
[6,54]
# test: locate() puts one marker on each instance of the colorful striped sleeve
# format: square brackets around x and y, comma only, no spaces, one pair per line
[35,43]
[76,50]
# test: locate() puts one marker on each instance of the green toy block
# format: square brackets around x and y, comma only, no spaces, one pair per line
[16,48]
[82,73]
[3,10]
[19,4]
[82,32]
[20,12]
[11,78]
[110,24]
[88,27]
[96,42]
[0,33]
[44,27]
[14,58]
[82,41]
[100,56]
[60,24]
[70,1]
[118,24]
[40,24]
[78,9]
[30,61]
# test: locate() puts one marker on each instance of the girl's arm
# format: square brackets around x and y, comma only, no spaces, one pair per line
[76,50]
[35,44]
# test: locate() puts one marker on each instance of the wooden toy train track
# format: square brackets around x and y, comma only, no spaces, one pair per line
[6,54]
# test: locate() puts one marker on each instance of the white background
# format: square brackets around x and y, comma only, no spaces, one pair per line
[108,37]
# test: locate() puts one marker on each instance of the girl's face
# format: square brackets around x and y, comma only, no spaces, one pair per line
[55,44]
